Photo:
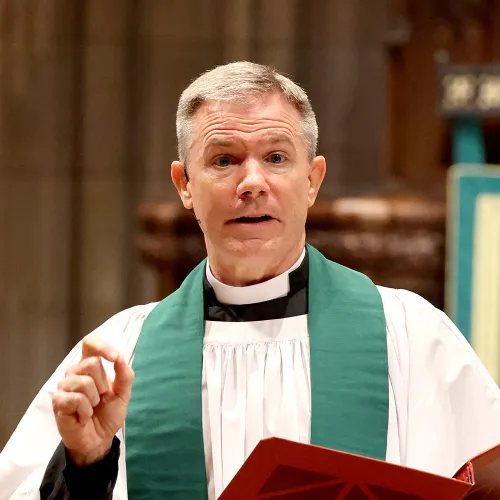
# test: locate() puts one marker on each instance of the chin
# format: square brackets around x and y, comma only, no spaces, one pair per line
[253,247]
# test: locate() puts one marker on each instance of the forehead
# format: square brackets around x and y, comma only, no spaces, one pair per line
[262,115]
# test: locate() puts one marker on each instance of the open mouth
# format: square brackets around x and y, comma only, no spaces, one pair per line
[253,220]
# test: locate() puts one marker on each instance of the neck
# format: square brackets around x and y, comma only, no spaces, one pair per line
[251,270]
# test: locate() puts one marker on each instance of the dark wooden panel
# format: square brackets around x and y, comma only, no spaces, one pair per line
[398,242]
[423,33]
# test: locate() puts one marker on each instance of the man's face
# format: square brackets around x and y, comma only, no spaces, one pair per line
[250,181]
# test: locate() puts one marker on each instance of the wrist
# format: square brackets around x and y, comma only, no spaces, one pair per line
[85,459]
[95,480]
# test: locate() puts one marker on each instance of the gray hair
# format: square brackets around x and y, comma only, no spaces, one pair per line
[241,81]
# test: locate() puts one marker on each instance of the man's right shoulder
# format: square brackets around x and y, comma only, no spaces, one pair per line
[126,317]
[123,329]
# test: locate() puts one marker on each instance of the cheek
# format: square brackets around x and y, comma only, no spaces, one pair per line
[210,199]
[301,200]
[294,194]
[293,200]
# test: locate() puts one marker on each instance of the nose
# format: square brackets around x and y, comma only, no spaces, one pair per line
[254,183]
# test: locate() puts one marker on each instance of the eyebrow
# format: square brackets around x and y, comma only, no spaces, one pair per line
[271,139]
[279,138]
[215,142]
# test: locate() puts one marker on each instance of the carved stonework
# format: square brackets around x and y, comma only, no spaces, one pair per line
[398,242]
[469,90]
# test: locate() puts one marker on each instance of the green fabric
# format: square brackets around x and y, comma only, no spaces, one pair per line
[163,431]
[349,380]
[349,372]
[468,141]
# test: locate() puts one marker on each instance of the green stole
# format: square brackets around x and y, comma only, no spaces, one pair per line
[349,380]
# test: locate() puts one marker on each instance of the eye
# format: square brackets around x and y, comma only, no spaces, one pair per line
[223,161]
[276,158]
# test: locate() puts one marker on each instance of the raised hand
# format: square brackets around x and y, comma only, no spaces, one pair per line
[89,408]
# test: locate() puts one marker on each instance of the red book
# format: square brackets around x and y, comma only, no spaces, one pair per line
[284,470]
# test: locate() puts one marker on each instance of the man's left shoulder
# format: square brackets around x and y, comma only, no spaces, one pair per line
[413,319]
[403,304]
[395,298]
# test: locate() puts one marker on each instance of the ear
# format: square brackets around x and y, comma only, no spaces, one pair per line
[317,171]
[181,183]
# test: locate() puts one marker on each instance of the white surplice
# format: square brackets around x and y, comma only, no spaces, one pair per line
[443,406]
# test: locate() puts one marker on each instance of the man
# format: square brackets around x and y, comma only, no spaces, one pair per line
[266,339]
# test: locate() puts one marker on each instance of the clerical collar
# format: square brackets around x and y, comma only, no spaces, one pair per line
[261,292]
[281,297]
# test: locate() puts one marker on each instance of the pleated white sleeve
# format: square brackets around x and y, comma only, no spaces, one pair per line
[26,455]
[447,406]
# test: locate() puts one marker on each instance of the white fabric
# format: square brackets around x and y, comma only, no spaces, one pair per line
[443,406]
[256,380]
[261,292]
[256,384]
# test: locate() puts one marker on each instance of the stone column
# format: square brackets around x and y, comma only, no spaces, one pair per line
[36,147]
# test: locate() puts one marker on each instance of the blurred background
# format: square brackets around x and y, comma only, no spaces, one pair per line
[89,219]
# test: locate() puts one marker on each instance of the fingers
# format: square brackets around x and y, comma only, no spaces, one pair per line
[68,404]
[92,367]
[93,349]
[93,346]
[124,376]
[82,384]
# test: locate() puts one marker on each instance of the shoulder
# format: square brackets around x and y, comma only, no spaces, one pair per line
[123,329]
[411,316]
[398,300]
[426,336]
[409,312]
[123,320]
[120,331]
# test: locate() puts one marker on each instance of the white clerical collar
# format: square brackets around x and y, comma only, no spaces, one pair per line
[252,294]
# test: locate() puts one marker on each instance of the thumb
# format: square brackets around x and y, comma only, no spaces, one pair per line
[124,376]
